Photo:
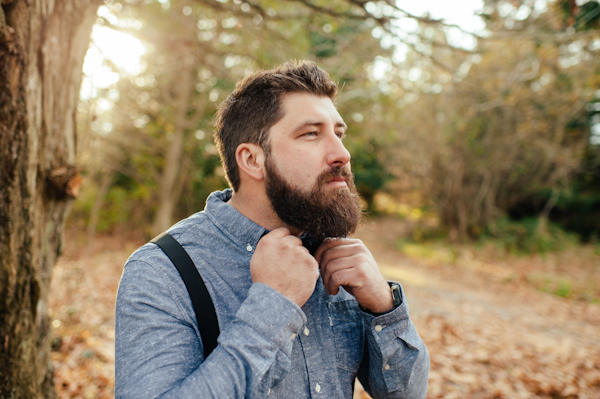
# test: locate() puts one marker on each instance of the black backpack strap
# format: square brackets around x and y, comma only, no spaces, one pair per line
[203,305]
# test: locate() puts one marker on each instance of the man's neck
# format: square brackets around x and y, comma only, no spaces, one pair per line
[257,208]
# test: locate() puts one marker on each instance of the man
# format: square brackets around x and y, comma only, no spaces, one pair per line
[292,325]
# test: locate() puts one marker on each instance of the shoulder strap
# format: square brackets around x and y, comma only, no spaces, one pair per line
[203,305]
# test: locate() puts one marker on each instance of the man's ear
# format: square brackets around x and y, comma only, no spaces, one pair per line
[251,160]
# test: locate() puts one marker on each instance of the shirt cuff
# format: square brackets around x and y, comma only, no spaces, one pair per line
[388,327]
[273,315]
[396,342]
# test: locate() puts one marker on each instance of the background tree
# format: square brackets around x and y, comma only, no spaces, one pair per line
[42,46]
[507,125]
[429,120]
[174,163]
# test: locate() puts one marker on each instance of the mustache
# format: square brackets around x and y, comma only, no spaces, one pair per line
[337,171]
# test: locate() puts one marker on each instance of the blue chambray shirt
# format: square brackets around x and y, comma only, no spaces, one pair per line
[268,346]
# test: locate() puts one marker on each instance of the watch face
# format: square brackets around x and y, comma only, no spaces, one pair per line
[396,294]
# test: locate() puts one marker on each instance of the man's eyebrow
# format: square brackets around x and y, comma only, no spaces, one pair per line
[342,125]
[307,123]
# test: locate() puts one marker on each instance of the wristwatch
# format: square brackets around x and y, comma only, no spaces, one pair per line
[396,298]
[396,294]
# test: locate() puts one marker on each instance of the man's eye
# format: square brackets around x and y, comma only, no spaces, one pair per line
[310,134]
[341,135]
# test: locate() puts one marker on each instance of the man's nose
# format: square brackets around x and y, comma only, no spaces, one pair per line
[337,154]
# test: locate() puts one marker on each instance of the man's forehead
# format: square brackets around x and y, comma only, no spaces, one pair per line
[310,108]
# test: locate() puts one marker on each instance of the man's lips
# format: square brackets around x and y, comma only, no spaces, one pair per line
[337,182]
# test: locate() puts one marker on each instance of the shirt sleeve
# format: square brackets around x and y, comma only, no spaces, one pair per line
[158,352]
[396,362]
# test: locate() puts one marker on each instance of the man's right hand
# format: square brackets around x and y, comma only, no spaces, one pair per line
[281,262]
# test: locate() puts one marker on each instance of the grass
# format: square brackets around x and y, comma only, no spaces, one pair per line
[572,272]
[531,252]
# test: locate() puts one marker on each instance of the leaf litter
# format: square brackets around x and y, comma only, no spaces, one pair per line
[488,336]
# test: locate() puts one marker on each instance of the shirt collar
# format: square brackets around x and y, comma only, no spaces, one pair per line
[231,222]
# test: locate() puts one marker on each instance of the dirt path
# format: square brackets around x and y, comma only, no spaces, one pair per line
[493,340]
[487,338]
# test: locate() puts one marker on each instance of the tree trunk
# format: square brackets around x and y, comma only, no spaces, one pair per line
[108,177]
[42,46]
[167,195]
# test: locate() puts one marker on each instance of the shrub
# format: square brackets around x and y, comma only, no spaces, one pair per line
[531,235]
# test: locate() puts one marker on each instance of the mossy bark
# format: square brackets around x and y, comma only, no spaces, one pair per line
[42,46]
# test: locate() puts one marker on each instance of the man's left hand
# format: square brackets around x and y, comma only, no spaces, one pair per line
[348,263]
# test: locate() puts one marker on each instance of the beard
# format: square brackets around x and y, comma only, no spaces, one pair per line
[321,212]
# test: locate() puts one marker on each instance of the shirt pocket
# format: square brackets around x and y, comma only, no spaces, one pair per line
[348,334]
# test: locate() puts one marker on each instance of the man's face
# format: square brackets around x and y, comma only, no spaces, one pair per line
[308,178]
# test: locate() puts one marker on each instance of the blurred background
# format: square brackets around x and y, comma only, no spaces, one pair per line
[474,129]
[478,117]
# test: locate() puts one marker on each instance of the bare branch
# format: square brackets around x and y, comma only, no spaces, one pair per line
[557,37]
[431,21]
[328,11]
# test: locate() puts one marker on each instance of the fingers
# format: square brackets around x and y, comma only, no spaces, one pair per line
[278,232]
[278,236]
[340,248]
[341,263]
[346,277]
[281,262]
[330,243]
[348,263]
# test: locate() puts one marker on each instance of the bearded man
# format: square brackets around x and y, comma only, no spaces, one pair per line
[296,321]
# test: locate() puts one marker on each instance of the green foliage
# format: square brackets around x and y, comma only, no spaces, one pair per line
[150,115]
[433,251]
[323,46]
[513,125]
[369,173]
[472,142]
[527,236]
[582,18]
[126,205]
[577,207]
[556,285]
[423,233]
[117,209]
[563,289]
[81,209]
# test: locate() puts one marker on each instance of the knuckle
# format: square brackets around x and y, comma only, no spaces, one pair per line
[335,279]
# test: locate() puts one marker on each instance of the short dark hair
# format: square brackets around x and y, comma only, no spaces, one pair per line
[248,113]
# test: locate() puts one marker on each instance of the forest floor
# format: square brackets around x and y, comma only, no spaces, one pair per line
[496,325]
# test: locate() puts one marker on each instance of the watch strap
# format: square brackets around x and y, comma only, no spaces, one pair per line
[396,298]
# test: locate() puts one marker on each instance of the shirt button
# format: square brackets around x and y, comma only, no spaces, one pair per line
[378,327]
[386,367]
[318,388]
[249,248]
[293,337]
[306,332]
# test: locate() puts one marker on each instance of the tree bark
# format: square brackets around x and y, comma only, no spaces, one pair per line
[42,46]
